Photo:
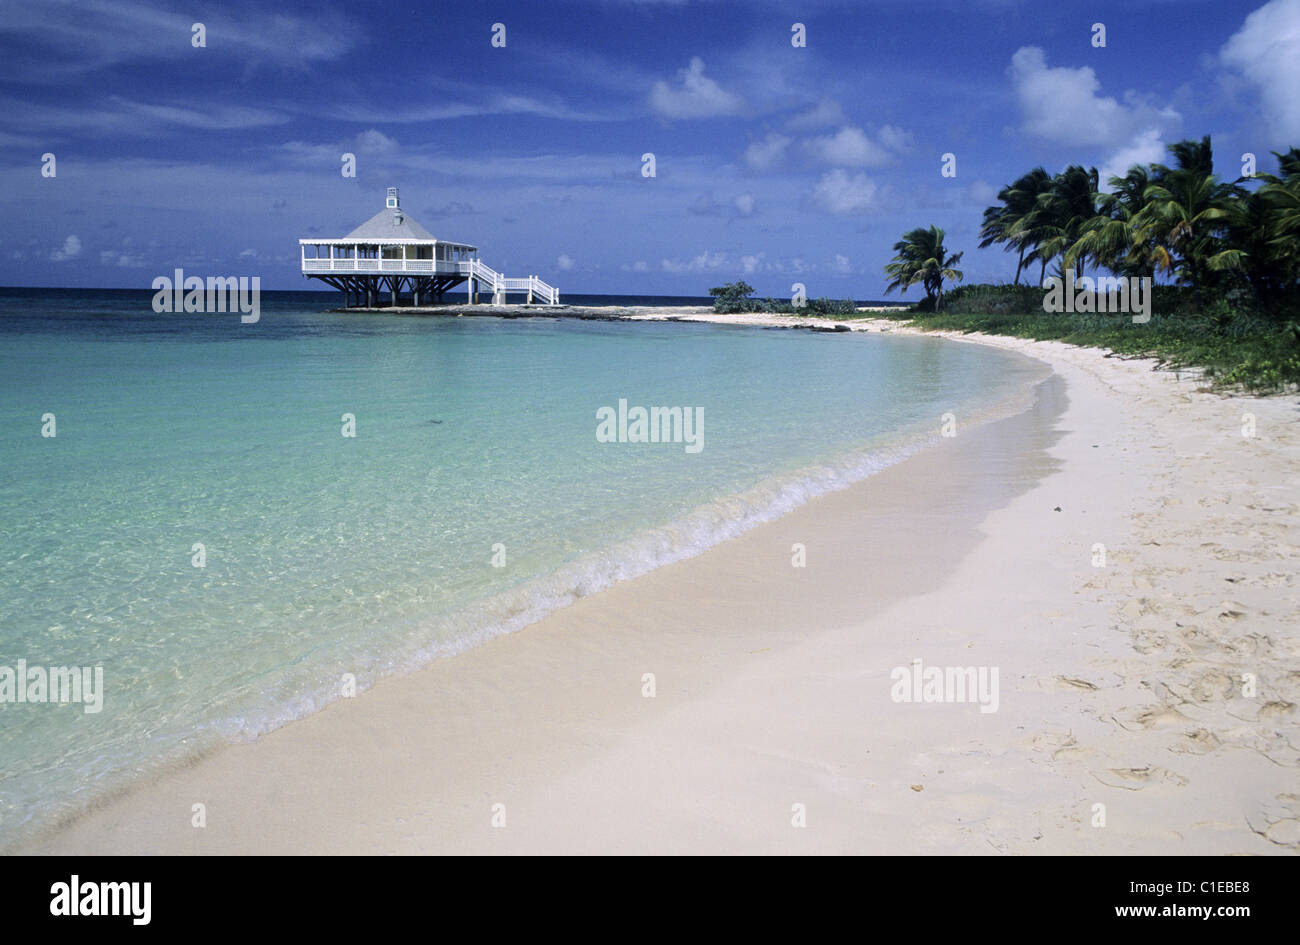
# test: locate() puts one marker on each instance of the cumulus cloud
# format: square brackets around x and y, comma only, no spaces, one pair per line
[767,152]
[1146,148]
[564,262]
[111,257]
[853,147]
[896,139]
[373,141]
[840,192]
[1061,105]
[848,147]
[704,262]
[70,249]
[824,114]
[1266,51]
[697,96]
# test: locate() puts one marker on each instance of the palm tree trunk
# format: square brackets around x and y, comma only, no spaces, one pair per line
[1020,265]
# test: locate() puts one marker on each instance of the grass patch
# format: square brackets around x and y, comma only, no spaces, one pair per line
[1235,350]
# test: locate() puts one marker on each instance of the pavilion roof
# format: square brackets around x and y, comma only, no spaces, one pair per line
[390,225]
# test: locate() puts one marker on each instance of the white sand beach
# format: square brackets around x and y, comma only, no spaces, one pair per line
[1123,725]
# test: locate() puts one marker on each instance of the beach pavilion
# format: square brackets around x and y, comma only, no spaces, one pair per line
[392,255]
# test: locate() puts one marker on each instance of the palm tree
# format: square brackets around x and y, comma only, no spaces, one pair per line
[1284,194]
[1109,237]
[920,256]
[1186,213]
[1061,214]
[1006,224]
[1266,226]
[1252,225]
[1194,156]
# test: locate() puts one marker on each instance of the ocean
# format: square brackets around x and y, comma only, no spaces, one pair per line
[201,527]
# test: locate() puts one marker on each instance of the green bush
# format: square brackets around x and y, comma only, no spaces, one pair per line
[735,297]
[1235,345]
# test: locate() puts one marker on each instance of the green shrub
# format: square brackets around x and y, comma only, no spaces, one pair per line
[735,297]
[1234,344]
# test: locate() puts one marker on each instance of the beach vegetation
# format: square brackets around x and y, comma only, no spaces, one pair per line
[1224,257]
[921,257]
[738,297]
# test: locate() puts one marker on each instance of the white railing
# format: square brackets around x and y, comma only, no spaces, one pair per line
[380,265]
[486,276]
[500,285]
[534,287]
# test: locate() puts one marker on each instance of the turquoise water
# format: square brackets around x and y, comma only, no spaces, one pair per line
[370,555]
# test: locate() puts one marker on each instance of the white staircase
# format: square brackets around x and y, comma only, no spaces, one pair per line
[486,276]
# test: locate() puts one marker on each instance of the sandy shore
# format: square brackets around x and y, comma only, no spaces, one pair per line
[1121,727]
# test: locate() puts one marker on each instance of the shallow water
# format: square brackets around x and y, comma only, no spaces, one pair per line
[474,498]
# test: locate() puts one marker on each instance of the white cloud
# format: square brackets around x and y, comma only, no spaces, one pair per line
[705,262]
[853,147]
[745,204]
[840,193]
[825,114]
[698,96]
[217,117]
[1146,148]
[762,154]
[373,141]
[1061,104]
[841,264]
[111,257]
[70,249]
[896,139]
[1266,50]
[108,32]
[848,147]
[564,262]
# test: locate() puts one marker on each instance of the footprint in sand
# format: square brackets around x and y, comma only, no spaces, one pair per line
[1071,682]
[1279,823]
[1212,687]
[1160,716]
[1200,742]
[1135,779]
[1275,710]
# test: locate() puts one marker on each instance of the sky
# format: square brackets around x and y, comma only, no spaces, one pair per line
[773,162]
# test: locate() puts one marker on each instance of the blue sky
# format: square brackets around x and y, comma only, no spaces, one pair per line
[773,163]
